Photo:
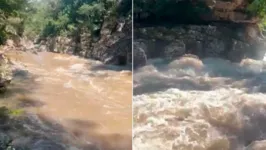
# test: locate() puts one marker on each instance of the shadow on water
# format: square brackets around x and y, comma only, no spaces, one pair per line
[17,86]
[82,124]
[105,67]
[41,132]
[161,84]
[36,132]
[25,102]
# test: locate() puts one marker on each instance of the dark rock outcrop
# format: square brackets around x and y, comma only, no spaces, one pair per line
[201,40]
[115,48]
[206,28]
[112,46]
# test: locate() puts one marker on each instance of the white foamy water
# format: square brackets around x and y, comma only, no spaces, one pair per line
[189,104]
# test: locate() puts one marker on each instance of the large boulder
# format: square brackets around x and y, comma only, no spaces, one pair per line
[118,53]
[114,46]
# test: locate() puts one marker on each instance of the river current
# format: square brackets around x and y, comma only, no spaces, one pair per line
[89,100]
[192,104]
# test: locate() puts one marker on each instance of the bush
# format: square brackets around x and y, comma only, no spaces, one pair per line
[11,14]
[258,8]
[64,17]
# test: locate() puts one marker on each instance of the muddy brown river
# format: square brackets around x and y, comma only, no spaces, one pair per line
[89,100]
[191,104]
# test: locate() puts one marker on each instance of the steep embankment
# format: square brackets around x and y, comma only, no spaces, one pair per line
[113,47]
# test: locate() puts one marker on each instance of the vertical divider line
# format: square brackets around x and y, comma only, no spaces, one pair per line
[132,49]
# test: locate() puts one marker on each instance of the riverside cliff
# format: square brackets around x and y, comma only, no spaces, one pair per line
[204,28]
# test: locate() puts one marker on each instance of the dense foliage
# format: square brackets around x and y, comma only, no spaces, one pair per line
[258,8]
[57,17]
[179,9]
[64,17]
[12,13]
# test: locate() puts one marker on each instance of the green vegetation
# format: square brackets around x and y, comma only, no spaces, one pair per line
[65,17]
[33,18]
[258,8]
[11,17]
[5,113]
[178,9]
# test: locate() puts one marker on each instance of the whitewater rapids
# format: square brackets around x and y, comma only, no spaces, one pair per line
[191,104]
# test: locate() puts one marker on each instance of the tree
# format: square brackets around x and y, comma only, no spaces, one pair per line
[258,8]
[36,18]
[11,18]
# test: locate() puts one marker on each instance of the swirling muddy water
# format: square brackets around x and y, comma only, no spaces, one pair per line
[191,104]
[90,100]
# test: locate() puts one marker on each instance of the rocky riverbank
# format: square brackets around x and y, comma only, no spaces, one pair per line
[205,28]
[113,46]
[201,40]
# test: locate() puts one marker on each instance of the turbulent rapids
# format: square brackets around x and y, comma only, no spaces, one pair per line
[191,104]
[88,102]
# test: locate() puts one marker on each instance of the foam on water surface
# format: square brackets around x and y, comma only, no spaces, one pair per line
[181,106]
